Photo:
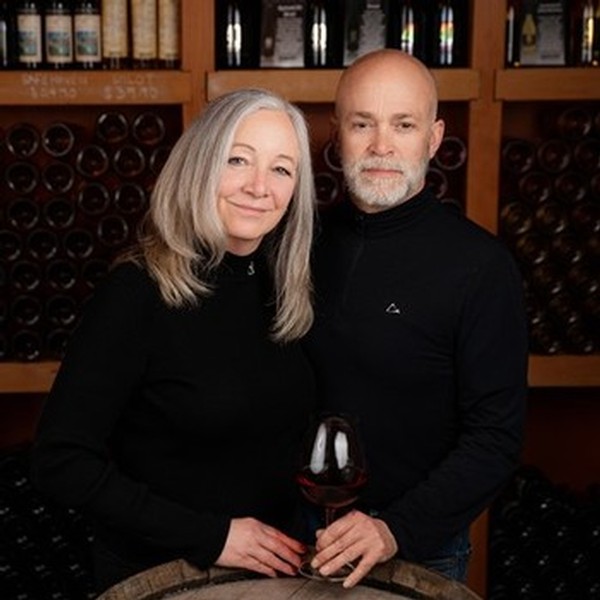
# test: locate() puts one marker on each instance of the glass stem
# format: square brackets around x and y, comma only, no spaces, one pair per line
[329,516]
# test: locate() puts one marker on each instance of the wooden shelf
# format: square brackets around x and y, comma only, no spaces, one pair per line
[527,84]
[564,371]
[35,88]
[318,85]
[544,371]
[27,378]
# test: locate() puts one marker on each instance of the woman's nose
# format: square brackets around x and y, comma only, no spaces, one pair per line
[257,184]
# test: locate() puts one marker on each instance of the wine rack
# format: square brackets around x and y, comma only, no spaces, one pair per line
[483,103]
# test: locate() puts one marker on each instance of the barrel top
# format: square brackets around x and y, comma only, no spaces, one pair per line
[178,580]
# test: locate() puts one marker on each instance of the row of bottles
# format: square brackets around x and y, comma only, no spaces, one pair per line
[45,549]
[89,34]
[553,33]
[550,218]
[544,541]
[332,33]
[70,200]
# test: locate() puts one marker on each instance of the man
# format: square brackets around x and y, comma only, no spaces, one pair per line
[420,333]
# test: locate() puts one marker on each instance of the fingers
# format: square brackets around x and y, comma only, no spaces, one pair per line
[258,547]
[355,538]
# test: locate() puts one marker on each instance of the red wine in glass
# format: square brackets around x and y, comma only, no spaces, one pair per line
[331,474]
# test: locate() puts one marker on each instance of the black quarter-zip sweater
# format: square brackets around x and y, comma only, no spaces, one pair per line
[421,333]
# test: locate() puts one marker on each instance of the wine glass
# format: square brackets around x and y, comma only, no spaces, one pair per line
[332,472]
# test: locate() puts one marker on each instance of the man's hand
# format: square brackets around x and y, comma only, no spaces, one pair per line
[258,547]
[355,536]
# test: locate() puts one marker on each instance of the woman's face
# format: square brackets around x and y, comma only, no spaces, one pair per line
[258,180]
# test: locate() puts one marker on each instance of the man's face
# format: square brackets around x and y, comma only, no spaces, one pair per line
[387,135]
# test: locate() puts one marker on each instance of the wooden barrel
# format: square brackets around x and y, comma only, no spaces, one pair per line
[178,580]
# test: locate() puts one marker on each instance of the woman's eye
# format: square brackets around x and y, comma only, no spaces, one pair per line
[236,160]
[283,171]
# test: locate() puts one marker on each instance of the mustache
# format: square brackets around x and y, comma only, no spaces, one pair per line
[378,163]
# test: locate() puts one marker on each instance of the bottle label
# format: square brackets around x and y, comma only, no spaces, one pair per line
[30,38]
[364,30]
[59,39]
[114,29]
[3,45]
[282,37]
[543,33]
[168,29]
[87,38]
[143,17]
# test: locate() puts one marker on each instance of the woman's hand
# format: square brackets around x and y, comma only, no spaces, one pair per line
[258,547]
[354,537]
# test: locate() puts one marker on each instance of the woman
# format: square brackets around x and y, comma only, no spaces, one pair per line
[175,416]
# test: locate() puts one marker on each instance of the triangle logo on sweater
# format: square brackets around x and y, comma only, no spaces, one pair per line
[392,309]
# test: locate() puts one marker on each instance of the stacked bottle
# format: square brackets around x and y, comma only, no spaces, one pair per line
[550,217]
[71,199]
[332,33]
[45,551]
[544,541]
[90,34]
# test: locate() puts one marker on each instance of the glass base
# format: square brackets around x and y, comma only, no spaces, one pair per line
[311,573]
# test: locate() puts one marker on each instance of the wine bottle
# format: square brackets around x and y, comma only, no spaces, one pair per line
[115,38]
[59,212]
[130,198]
[327,189]
[92,161]
[11,245]
[574,122]
[112,127]
[582,32]
[437,181]
[42,244]
[58,177]
[535,187]
[26,310]
[58,34]
[148,128]
[58,139]
[22,177]
[570,187]
[87,24]
[169,43]
[554,155]
[407,28]
[515,219]
[8,46]
[159,157]
[25,276]
[61,274]
[518,156]
[78,243]
[56,344]
[23,214]
[61,310]
[93,271]
[29,34]
[586,155]
[129,161]
[113,231]
[531,249]
[512,38]
[144,33]
[449,28]
[452,153]
[26,345]
[93,198]
[22,140]
[550,218]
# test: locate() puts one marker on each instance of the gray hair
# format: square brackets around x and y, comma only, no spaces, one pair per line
[182,238]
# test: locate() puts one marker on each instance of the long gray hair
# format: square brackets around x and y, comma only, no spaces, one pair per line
[182,238]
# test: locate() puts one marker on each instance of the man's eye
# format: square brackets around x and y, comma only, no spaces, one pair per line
[359,125]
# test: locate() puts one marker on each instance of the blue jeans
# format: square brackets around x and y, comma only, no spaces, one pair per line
[452,559]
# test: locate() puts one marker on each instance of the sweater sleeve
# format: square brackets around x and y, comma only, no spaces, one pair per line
[491,353]
[71,460]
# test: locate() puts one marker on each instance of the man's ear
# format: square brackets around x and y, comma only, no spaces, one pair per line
[437,135]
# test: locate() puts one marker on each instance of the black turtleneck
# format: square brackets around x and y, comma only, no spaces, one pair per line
[163,423]
[420,332]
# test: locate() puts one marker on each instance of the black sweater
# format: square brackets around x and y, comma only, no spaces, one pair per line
[166,423]
[421,334]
